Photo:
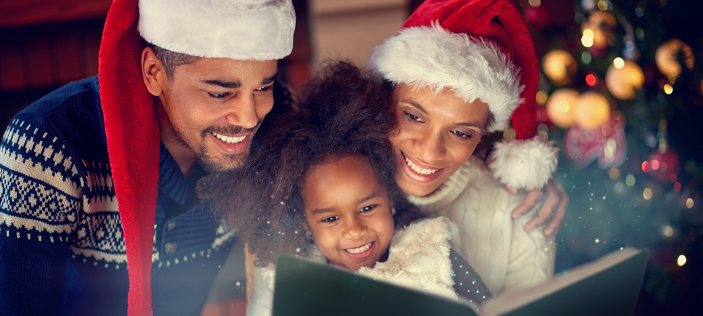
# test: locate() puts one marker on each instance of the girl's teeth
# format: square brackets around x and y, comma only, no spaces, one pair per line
[417,169]
[360,249]
[229,140]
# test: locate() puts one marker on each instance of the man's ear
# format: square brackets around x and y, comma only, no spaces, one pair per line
[153,72]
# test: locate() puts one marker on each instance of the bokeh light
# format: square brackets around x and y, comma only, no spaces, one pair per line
[677,186]
[681,260]
[646,167]
[668,89]
[591,80]
[614,173]
[667,231]
[618,63]
[647,193]
[689,203]
[630,180]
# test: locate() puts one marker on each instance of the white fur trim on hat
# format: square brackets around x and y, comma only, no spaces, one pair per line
[524,164]
[472,67]
[236,29]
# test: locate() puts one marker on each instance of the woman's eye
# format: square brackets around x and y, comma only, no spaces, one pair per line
[413,117]
[330,219]
[463,135]
[219,95]
[367,208]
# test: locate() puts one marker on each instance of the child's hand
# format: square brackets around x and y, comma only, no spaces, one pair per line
[554,207]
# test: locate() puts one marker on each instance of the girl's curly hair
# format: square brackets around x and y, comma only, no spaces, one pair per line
[346,114]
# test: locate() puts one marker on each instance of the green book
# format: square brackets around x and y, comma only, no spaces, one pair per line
[607,286]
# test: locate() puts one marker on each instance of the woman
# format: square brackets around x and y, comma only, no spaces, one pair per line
[459,69]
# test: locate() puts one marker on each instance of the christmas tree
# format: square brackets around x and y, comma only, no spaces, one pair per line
[621,96]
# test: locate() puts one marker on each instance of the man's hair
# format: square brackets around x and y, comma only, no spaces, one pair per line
[347,114]
[171,59]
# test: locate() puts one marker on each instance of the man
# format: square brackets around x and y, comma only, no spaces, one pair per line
[131,137]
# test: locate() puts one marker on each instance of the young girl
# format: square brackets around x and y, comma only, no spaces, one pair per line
[326,181]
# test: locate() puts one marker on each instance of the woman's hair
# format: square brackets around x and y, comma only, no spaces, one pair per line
[346,114]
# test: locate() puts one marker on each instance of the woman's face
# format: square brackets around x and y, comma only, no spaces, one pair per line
[438,133]
[348,212]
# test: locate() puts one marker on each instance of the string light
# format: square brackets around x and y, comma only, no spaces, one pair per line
[587,38]
[618,63]
[647,193]
[591,80]
[681,260]
[646,167]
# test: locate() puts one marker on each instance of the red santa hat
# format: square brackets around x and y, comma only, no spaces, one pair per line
[237,29]
[480,49]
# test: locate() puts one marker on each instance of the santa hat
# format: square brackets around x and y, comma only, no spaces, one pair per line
[480,49]
[237,29]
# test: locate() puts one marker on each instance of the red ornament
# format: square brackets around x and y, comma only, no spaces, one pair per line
[606,143]
[538,17]
[666,166]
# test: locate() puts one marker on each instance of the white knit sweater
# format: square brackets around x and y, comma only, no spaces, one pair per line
[496,246]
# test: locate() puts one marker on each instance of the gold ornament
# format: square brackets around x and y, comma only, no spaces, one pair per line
[666,58]
[559,66]
[592,110]
[624,78]
[597,29]
[560,107]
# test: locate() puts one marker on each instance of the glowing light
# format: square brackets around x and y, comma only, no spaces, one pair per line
[587,38]
[619,188]
[647,193]
[614,173]
[618,63]
[597,240]
[677,186]
[542,97]
[535,3]
[646,167]
[586,57]
[689,203]
[591,80]
[673,178]
[655,164]
[681,260]
[630,180]
[667,231]
[602,5]
[668,89]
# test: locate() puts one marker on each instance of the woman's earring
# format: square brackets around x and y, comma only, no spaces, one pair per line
[393,211]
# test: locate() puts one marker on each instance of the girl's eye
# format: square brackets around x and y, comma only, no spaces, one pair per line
[367,208]
[330,219]
[219,95]
[413,117]
[463,135]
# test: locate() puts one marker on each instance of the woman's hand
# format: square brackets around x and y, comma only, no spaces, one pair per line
[554,207]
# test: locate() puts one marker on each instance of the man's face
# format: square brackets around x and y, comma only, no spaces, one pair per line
[213,107]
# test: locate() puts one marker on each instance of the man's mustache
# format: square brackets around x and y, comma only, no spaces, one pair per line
[232,129]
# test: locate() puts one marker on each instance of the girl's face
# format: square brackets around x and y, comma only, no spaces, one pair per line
[348,212]
[438,133]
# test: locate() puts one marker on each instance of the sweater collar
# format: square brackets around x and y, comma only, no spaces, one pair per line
[450,189]
[172,182]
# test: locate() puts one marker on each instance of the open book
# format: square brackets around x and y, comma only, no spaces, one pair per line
[607,286]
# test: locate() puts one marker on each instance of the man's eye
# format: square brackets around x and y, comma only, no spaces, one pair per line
[219,95]
[413,117]
[368,208]
[330,219]
[265,88]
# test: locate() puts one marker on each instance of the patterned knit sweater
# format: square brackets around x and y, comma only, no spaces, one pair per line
[62,250]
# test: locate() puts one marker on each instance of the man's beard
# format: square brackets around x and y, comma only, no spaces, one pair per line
[206,160]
